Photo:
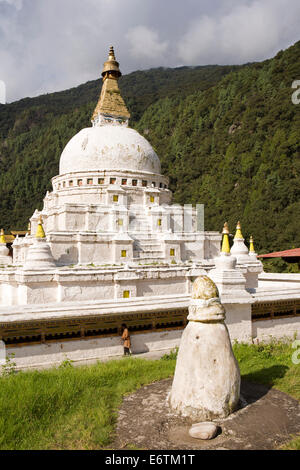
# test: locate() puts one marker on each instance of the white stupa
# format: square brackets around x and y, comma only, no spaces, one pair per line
[5,259]
[39,256]
[110,183]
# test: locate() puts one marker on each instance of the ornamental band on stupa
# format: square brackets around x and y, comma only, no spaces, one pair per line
[109,247]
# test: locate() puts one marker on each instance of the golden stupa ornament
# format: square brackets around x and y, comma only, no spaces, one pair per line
[225,242]
[251,249]
[238,233]
[2,236]
[111,66]
[40,233]
[111,107]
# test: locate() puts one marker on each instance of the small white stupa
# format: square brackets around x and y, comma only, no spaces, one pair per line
[5,259]
[206,383]
[252,251]
[239,250]
[246,258]
[39,256]
[230,281]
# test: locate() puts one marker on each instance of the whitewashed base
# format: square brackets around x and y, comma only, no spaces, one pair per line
[88,350]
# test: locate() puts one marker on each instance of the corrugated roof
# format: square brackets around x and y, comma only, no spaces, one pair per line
[293,253]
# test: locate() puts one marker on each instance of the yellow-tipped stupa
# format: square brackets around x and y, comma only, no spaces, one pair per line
[40,231]
[2,236]
[225,242]
[238,233]
[252,250]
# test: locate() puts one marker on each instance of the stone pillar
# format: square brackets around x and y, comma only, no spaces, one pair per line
[2,353]
[206,383]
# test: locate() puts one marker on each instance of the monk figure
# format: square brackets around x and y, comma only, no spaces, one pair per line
[126,339]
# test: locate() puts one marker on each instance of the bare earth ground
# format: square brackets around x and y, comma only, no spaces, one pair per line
[266,419]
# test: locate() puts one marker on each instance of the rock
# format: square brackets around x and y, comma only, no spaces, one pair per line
[203,431]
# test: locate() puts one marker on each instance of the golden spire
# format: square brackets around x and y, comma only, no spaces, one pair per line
[251,250]
[40,230]
[111,103]
[111,66]
[2,236]
[225,242]
[238,233]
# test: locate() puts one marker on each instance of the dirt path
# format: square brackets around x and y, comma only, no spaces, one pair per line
[267,419]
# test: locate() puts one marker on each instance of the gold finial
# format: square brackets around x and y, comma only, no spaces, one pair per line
[238,233]
[225,229]
[111,55]
[111,66]
[40,230]
[29,227]
[252,250]
[2,236]
[225,242]
[111,103]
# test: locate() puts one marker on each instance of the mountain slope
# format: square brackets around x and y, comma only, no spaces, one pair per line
[236,148]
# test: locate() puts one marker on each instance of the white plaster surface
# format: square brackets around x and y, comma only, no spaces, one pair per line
[2,353]
[279,281]
[108,147]
[81,351]
[207,381]
[281,328]
[238,321]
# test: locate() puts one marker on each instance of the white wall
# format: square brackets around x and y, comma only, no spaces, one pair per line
[82,351]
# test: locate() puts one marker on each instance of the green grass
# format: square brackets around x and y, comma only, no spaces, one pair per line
[271,364]
[76,407]
[70,408]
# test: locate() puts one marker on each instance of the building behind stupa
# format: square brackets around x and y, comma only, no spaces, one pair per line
[109,247]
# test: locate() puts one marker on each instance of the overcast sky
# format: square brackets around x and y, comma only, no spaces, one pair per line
[51,45]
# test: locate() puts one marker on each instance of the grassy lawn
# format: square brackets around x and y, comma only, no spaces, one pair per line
[76,407]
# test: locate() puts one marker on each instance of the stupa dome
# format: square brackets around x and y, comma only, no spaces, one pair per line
[109,147]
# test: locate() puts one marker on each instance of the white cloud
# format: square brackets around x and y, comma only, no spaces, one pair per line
[50,45]
[145,43]
[15,3]
[248,32]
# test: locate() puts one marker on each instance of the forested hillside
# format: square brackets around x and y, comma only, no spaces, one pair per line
[227,137]
[236,148]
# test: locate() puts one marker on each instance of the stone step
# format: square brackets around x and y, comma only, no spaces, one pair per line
[148,245]
[142,237]
[148,260]
[148,254]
